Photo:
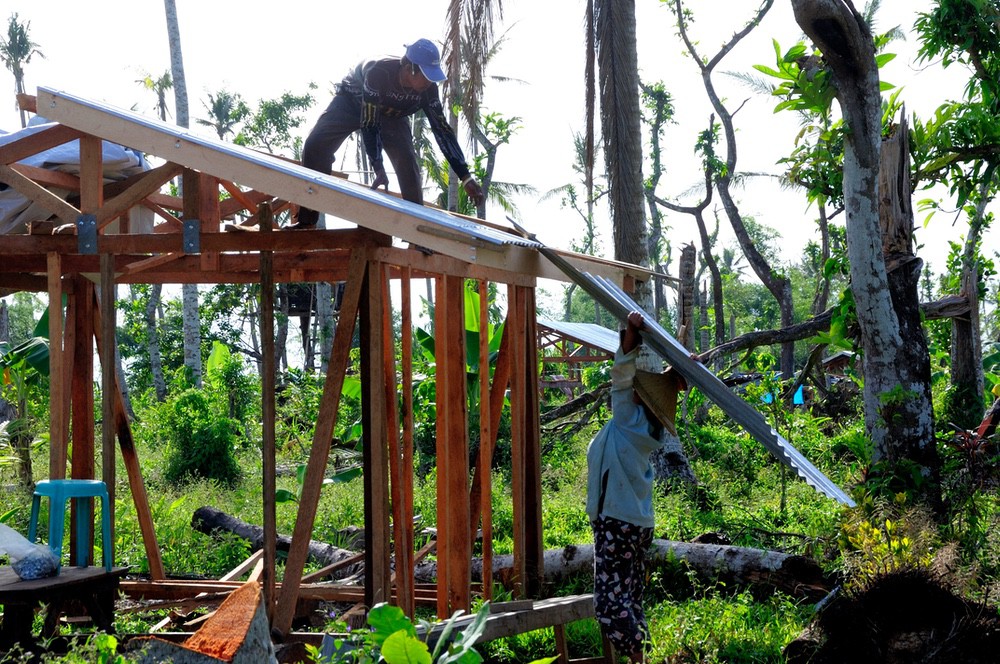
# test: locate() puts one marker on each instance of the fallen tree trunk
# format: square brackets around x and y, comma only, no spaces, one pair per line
[208,520]
[734,565]
[949,306]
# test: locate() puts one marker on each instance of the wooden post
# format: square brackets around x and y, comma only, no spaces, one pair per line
[404,547]
[58,402]
[485,442]
[517,435]
[534,545]
[119,423]
[82,379]
[316,467]
[375,432]
[106,350]
[269,473]
[396,468]
[454,543]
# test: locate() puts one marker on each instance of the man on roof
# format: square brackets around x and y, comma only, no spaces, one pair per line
[377,97]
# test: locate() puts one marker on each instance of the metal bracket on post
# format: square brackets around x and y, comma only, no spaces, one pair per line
[86,234]
[192,236]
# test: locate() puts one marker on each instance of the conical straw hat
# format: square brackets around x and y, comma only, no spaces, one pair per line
[659,391]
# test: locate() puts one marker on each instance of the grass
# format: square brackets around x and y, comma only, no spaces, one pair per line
[742,494]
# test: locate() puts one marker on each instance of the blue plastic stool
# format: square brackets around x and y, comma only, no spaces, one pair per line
[82,491]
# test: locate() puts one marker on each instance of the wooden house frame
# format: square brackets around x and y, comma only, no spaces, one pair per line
[190,246]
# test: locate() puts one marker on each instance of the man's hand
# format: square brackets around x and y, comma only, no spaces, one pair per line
[631,338]
[381,179]
[474,191]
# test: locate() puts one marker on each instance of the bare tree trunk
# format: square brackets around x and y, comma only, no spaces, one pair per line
[776,283]
[967,380]
[898,413]
[153,342]
[325,320]
[686,297]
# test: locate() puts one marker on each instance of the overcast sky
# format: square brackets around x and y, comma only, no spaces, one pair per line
[261,49]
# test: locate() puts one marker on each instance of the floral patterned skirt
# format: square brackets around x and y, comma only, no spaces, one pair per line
[619,580]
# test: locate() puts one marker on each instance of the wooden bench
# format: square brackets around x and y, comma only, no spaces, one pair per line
[93,587]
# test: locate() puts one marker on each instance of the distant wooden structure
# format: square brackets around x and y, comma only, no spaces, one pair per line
[189,245]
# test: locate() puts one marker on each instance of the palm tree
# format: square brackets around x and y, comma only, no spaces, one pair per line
[159,87]
[192,324]
[16,51]
[225,111]
[470,39]
[618,73]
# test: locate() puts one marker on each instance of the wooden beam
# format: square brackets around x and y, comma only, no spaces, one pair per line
[515,314]
[267,386]
[159,243]
[318,456]
[405,561]
[130,458]
[58,401]
[82,381]
[534,543]
[484,469]
[454,544]
[52,203]
[91,175]
[38,142]
[104,317]
[374,434]
[402,580]
[149,183]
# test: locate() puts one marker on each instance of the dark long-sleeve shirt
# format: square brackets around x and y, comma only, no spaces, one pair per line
[375,84]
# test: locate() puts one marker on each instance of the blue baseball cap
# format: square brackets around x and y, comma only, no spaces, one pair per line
[425,55]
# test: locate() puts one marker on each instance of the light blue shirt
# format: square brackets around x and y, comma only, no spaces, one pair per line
[620,451]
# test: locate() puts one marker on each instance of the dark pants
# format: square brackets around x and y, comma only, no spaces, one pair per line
[619,581]
[342,118]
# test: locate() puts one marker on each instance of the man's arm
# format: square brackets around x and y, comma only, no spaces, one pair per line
[448,143]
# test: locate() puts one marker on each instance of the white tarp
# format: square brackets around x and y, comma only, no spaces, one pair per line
[119,163]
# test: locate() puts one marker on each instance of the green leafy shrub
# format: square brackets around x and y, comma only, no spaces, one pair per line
[201,441]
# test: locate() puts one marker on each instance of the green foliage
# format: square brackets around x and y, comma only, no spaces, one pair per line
[392,638]
[200,439]
[875,544]
[712,628]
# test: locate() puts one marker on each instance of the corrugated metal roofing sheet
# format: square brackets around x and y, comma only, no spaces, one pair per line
[590,334]
[432,220]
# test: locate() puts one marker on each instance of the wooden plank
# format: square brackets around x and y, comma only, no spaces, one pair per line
[58,402]
[106,316]
[131,460]
[322,436]
[149,183]
[208,212]
[442,375]
[515,316]
[235,573]
[374,435]
[484,471]
[393,439]
[534,543]
[326,571]
[82,399]
[454,544]
[91,174]
[269,369]
[543,614]
[247,202]
[38,142]
[158,243]
[405,563]
[52,203]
